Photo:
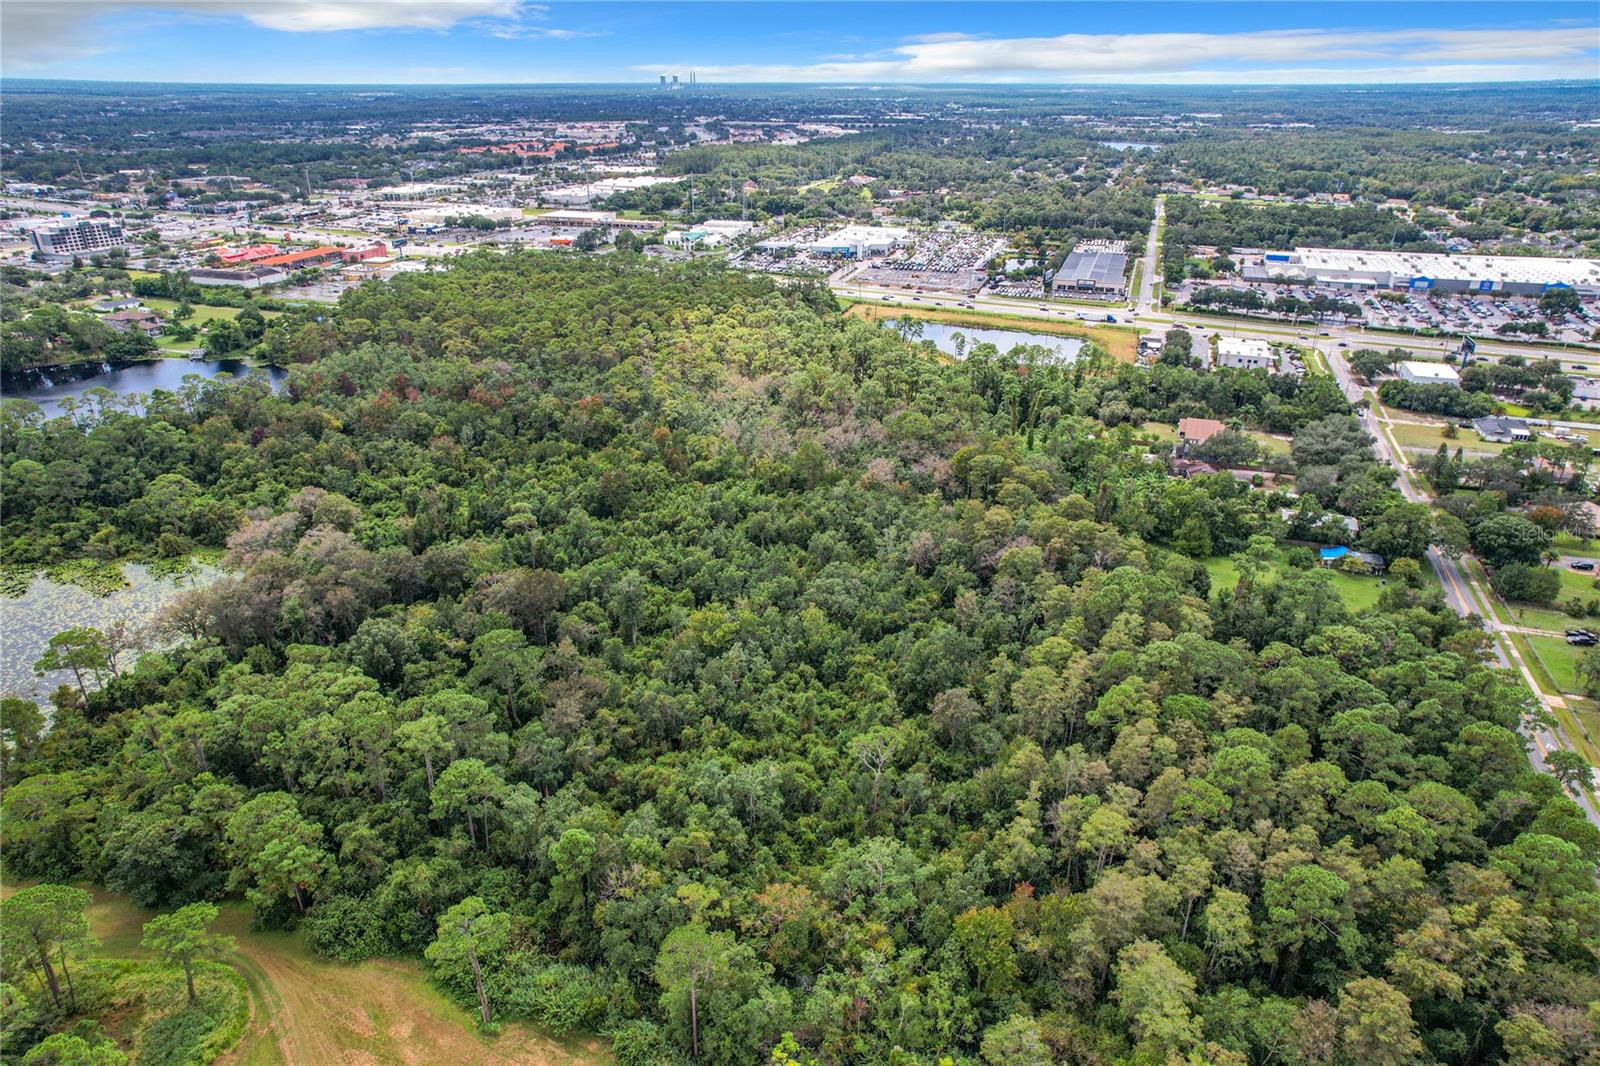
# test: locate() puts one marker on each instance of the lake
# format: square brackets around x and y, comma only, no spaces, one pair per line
[48,386]
[1123,146]
[29,621]
[942,334]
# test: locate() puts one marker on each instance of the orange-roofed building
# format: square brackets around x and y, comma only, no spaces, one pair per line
[304,258]
[1198,430]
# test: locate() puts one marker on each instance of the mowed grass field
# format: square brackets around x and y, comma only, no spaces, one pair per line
[1358,591]
[1414,436]
[1120,342]
[306,1010]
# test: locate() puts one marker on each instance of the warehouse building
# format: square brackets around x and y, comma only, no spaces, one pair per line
[76,238]
[1097,268]
[1419,373]
[1511,275]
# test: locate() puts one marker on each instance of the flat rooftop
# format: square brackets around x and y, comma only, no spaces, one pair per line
[1102,268]
[1524,269]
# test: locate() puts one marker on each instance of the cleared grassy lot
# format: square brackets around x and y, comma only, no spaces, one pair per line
[1358,591]
[309,1010]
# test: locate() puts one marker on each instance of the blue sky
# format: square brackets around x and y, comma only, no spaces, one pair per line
[513,41]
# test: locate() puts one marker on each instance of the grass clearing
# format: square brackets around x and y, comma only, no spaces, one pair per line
[1358,591]
[1121,342]
[1567,544]
[203,313]
[1426,437]
[1535,615]
[309,1010]
[1560,660]
[1582,723]
[1269,443]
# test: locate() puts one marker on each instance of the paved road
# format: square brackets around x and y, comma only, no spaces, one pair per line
[1146,296]
[1461,590]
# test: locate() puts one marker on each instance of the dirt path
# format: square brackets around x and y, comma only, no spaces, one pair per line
[310,1011]
[307,1011]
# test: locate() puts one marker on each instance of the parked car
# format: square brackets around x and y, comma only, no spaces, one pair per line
[1583,564]
[1582,637]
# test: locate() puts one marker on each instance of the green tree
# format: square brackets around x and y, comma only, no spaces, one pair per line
[472,789]
[987,937]
[1015,1042]
[83,651]
[1156,996]
[70,1049]
[184,936]
[469,934]
[21,726]
[45,925]
[1508,538]
[276,852]
[1375,1024]
[692,962]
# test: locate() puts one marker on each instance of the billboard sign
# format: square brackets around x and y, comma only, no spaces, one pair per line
[1422,283]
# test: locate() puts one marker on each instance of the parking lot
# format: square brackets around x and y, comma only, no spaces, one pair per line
[1457,313]
[949,260]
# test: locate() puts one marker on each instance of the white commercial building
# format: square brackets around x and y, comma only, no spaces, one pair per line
[1243,353]
[575,219]
[1515,275]
[1429,374]
[708,234]
[600,188]
[854,242]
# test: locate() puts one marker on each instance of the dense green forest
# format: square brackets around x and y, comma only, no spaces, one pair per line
[746,682]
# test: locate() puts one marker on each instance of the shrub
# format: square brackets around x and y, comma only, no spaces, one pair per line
[558,996]
[1529,584]
[345,928]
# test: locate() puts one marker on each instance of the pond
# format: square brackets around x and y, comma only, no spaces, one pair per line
[29,621]
[942,334]
[48,386]
[1124,146]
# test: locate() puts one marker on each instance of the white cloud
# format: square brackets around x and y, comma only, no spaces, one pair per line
[34,34]
[1274,55]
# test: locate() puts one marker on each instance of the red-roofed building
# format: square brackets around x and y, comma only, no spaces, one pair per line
[375,251]
[247,254]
